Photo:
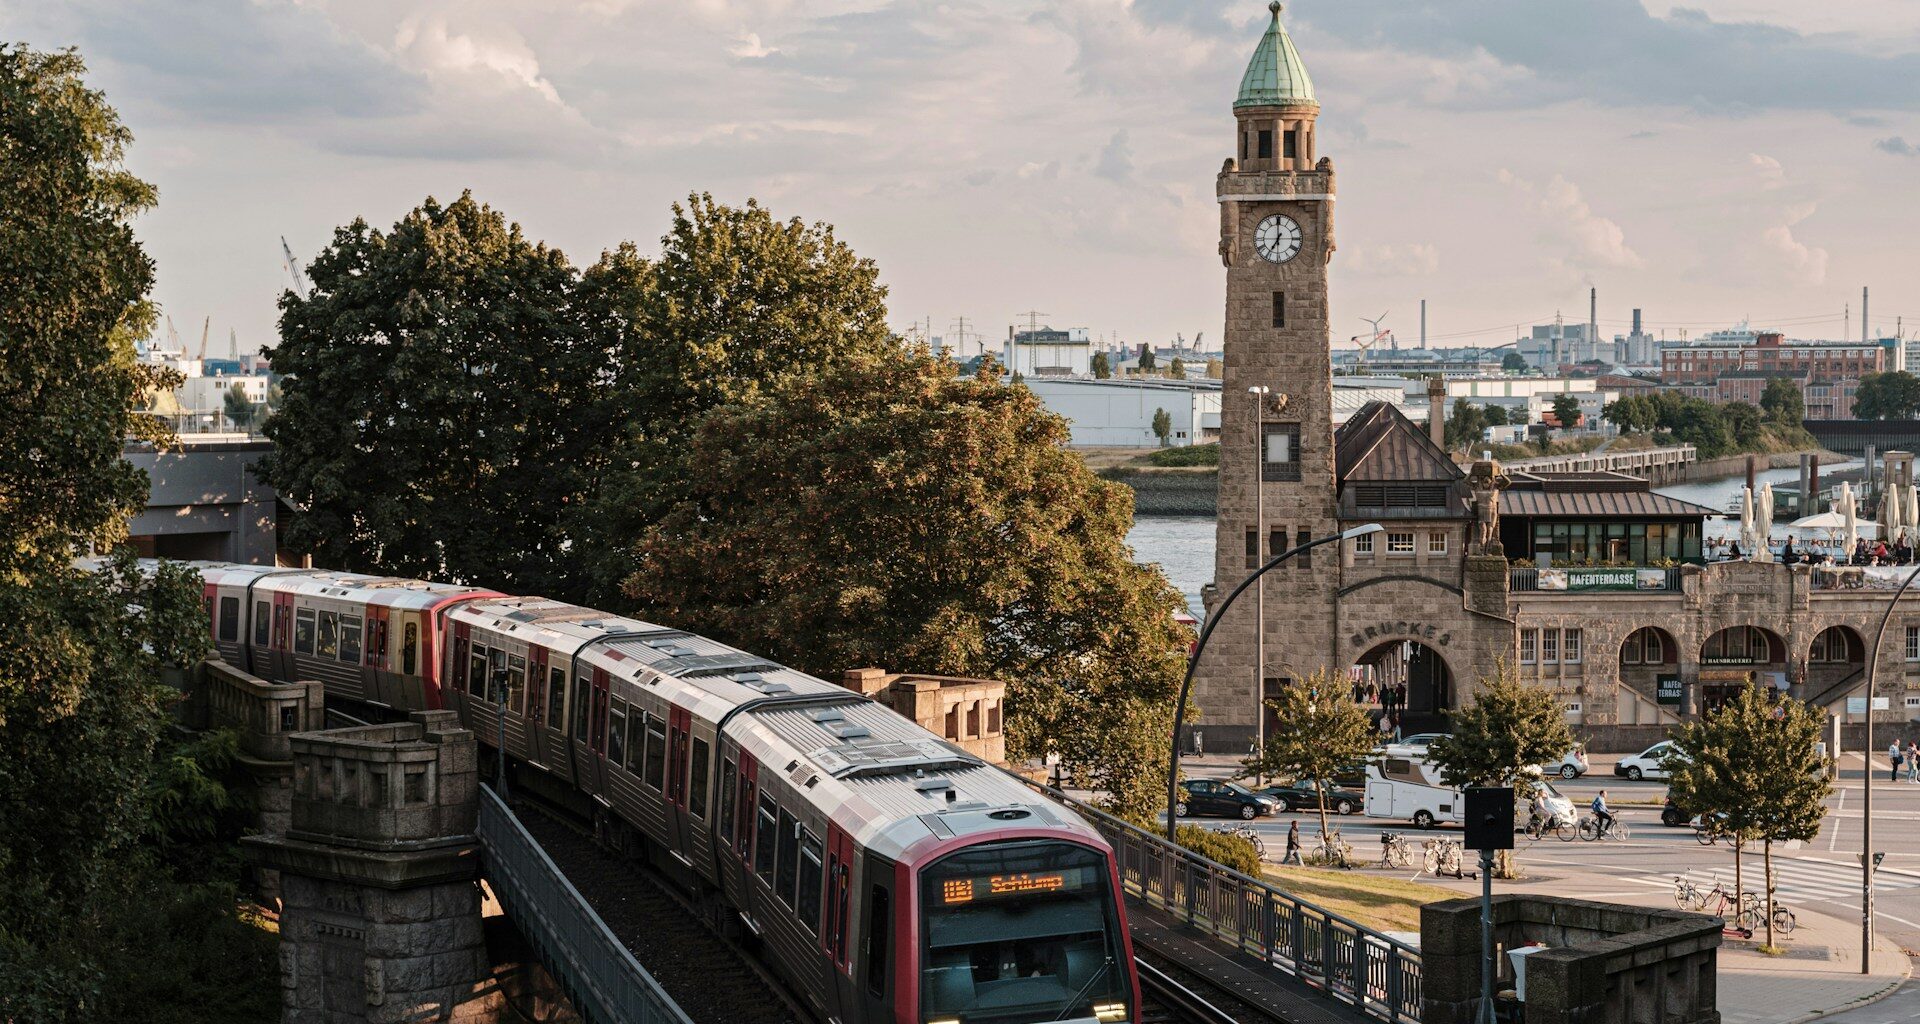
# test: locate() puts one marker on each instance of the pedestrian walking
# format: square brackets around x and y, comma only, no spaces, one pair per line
[1913,761]
[1893,761]
[1293,843]
[1199,748]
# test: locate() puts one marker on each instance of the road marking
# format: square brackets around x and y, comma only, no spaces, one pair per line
[1836,820]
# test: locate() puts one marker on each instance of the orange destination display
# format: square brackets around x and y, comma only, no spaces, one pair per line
[987,887]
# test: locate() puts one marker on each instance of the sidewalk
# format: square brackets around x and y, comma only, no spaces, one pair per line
[1819,974]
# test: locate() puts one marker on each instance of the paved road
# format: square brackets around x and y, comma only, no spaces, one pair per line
[1902,1007]
[1822,875]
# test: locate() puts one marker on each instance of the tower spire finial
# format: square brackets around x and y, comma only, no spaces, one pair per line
[1275,7]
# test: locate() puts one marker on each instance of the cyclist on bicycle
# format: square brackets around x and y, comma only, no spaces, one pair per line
[1540,812]
[1600,812]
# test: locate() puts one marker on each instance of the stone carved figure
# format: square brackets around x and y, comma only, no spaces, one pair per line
[1486,482]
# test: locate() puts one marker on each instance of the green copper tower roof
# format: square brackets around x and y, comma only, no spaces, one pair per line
[1275,76]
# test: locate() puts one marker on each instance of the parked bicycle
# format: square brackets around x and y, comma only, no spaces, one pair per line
[1751,915]
[1590,830]
[1688,896]
[1441,857]
[1394,852]
[1333,850]
[1247,832]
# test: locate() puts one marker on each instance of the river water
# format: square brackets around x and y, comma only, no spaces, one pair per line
[1183,546]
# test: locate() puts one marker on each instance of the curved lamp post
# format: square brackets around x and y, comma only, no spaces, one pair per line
[1200,648]
[1866,786]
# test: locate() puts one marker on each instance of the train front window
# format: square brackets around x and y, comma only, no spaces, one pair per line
[1021,932]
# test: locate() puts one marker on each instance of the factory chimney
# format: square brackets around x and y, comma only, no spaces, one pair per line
[1437,412]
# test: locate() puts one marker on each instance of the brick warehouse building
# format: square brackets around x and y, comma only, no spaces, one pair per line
[1433,602]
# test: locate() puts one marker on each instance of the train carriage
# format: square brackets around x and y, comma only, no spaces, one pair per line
[890,877]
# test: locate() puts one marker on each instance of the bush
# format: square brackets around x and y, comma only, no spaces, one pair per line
[1233,851]
[1190,455]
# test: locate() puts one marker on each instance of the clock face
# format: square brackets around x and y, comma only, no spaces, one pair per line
[1277,239]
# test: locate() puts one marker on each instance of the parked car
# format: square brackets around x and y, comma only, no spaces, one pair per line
[1650,763]
[1672,815]
[1410,746]
[1230,799]
[1571,766]
[1305,796]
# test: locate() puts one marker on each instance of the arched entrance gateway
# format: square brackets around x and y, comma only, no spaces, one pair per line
[1425,674]
[1650,669]
[1735,656]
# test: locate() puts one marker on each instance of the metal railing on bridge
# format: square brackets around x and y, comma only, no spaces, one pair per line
[606,984]
[1348,961]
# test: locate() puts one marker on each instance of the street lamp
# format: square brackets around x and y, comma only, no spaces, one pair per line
[1866,785]
[1259,393]
[1200,648]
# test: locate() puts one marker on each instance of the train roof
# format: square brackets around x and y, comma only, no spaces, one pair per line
[387,591]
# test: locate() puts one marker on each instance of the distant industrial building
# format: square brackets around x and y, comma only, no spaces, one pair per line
[1120,413]
[1046,352]
[1769,354]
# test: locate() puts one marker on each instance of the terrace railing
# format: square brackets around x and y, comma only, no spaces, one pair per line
[1345,960]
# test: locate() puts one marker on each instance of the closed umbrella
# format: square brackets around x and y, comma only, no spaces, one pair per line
[1849,514]
[1910,511]
[1746,520]
[1763,523]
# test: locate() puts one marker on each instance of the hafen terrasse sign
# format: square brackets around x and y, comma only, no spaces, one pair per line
[1602,579]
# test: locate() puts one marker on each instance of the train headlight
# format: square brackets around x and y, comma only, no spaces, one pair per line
[945,1020]
[1110,1011]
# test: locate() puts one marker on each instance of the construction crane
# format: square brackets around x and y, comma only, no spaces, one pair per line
[233,343]
[173,337]
[1367,343]
[300,285]
[205,329]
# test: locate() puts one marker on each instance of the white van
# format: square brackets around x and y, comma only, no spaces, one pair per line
[1409,789]
[1402,786]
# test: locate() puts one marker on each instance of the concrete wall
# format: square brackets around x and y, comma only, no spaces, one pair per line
[204,502]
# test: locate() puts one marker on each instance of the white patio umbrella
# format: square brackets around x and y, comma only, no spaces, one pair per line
[1763,524]
[1910,511]
[1889,512]
[1746,521]
[1850,517]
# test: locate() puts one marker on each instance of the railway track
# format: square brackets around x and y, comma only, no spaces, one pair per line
[1170,994]
[712,978]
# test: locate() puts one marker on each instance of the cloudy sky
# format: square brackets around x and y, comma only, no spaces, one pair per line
[1722,159]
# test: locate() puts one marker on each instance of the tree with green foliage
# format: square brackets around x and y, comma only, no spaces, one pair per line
[439,386]
[1319,732]
[736,304]
[1633,414]
[1146,358]
[96,923]
[1513,362]
[1102,369]
[1510,728]
[891,512]
[1466,426]
[1755,767]
[238,410]
[1566,410]
[1162,426]
[1177,369]
[1495,415]
[1700,423]
[1743,423]
[1894,395]
[1783,403]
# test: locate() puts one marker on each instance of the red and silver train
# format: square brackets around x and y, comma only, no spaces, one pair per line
[887,875]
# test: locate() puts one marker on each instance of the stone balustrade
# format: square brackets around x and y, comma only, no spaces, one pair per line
[404,786]
[265,714]
[1605,963]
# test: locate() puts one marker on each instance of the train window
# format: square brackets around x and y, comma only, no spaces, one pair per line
[517,682]
[808,897]
[280,626]
[697,795]
[726,800]
[408,647]
[328,646]
[477,671]
[745,842]
[637,741]
[656,751]
[789,866]
[842,889]
[230,619]
[536,698]
[580,687]
[879,917]
[556,698]
[262,622]
[617,735]
[350,639]
[763,844]
[303,631]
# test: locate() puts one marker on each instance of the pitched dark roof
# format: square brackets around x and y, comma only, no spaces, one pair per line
[1379,443]
[1597,504]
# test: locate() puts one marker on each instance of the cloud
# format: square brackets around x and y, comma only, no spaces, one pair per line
[748,47]
[1392,259]
[1116,158]
[1568,222]
[1897,145]
[1799,262]
[1772,175]
[494,58]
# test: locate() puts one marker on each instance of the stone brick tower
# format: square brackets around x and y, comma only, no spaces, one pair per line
[1276,236]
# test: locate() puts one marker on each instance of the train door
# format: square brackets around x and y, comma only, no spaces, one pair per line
[679,725]
[413,663]
[883,904]
[374,672]
[281,660]
[553,728]
[743,827]
[259,634]
[536,699]
[579,720]
[455,696]
[836,927]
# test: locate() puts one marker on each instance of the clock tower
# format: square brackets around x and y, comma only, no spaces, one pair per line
[1277,484]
